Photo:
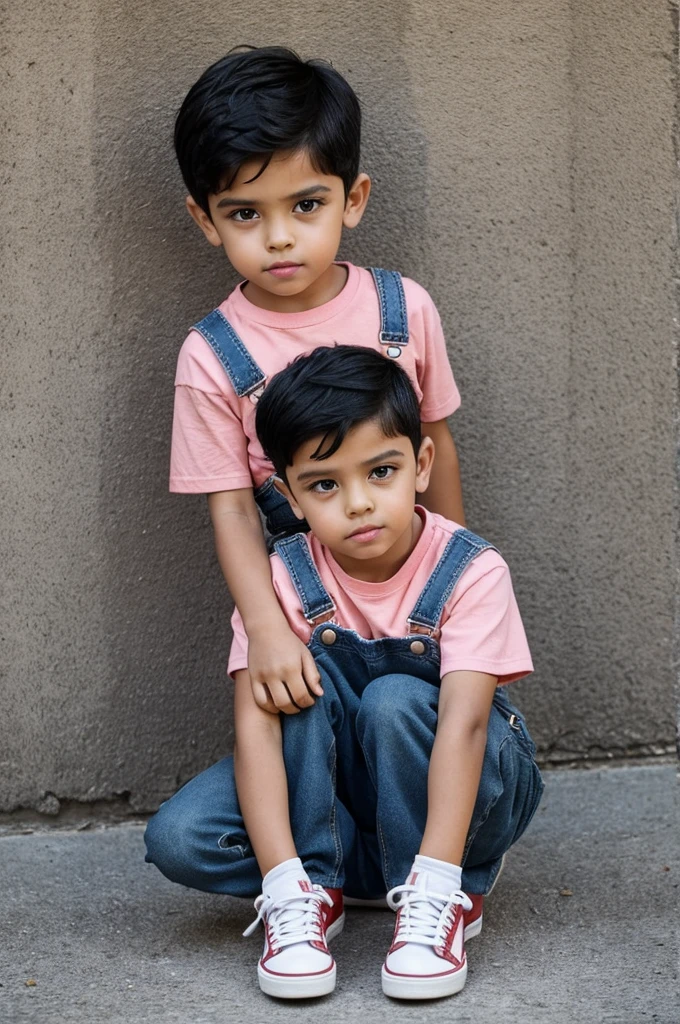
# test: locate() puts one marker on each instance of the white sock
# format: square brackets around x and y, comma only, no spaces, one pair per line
[441,876]
[286,872]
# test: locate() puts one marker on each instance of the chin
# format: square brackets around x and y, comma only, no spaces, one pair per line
[364,552]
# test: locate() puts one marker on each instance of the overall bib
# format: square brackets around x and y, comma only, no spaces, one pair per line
[357,760]
[248,380]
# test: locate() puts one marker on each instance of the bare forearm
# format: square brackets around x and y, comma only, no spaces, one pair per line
[262,787]
[452,785]
[243,558]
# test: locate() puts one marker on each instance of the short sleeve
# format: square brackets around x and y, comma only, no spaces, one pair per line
[482,629]
[238,654]
[441,397]
[209,447]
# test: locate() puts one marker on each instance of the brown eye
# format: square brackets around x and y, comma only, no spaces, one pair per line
[382,472]
[308,205]
[244,215]
[323,486]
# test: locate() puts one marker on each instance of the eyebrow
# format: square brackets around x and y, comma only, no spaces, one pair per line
[375,460]
[304,193]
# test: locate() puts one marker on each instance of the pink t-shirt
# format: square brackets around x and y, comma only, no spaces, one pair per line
[481,628]
[214,444]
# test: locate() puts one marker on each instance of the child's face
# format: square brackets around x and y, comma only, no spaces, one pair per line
[359,502]
[282,231]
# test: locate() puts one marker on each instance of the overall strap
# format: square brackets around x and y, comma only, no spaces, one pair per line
[461,549]
[245,375]
[316,603]
[393,318]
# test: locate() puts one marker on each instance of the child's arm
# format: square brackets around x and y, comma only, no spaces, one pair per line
[261,781]
[456,762]
[444,494]
[279,664]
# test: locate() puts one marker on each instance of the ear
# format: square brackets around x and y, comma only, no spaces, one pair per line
[285,490]
[203,220]
[356,201]
[424,464]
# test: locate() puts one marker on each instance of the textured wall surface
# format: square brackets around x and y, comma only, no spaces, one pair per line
[524,172]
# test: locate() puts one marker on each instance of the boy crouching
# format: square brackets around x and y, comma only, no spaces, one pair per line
[413,774]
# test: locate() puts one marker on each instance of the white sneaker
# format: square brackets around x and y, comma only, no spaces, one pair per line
[427,957]
[298,920]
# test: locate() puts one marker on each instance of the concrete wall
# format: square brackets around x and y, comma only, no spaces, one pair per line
[524,172]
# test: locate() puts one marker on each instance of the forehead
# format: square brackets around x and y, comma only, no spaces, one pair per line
[363,442]
[286,172]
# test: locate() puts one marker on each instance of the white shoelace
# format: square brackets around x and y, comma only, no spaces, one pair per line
[425,916]
[291,919]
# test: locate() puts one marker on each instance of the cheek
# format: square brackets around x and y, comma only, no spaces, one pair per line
[321,516]
[239,242]
[309,509]
[402,497]
[326,236]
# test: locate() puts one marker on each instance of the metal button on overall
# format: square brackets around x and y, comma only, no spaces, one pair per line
[418,647]
[328,637]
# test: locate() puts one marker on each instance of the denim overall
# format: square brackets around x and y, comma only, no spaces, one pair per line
[247,378]
[357,760]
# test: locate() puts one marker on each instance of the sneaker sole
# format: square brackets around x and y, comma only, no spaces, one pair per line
[300,987]
[399,987]
[335,928]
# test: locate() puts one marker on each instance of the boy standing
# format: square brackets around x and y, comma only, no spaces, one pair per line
[269,149]
[411,773]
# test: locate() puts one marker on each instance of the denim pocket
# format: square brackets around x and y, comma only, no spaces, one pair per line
[236,843]
[516,721]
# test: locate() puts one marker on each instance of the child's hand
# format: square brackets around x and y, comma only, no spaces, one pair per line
[283,674]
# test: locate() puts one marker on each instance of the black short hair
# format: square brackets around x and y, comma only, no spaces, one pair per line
[327,393]
[261,101]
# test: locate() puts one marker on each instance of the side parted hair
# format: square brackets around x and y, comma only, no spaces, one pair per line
[254,103]
[327,393]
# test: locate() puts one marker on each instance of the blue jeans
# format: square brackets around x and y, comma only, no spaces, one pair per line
[357,761]
[357,767]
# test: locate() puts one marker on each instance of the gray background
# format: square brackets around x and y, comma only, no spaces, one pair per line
[524,172]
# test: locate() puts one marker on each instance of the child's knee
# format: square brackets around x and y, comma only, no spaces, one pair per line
[171,839]
[395,704]
[199,831]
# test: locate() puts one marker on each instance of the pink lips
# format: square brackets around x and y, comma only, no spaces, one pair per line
[283,269]
[365,534]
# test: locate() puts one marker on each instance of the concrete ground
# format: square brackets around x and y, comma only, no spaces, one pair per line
[583,927]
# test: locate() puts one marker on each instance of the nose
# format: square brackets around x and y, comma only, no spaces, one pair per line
[358,500]
[280,235]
